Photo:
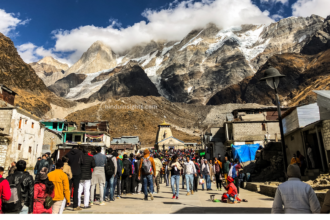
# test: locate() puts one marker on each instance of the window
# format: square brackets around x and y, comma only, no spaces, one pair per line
[55,125]
[19,147]
[30,149]
[32,125]
[263,126]
[20,123]
[77,138]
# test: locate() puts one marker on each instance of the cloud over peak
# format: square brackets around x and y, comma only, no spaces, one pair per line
[8,22]
[172,23]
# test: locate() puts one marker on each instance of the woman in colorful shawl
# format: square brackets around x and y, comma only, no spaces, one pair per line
[231,194]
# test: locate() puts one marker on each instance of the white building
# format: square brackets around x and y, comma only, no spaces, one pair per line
[23,136]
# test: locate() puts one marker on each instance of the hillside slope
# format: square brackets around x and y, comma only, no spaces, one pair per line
[33,95]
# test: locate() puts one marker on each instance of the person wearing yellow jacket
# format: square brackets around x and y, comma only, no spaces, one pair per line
[62,191]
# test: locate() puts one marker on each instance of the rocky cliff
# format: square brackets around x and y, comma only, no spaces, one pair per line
[98,57]
[303,73]
[49,70]
[122,81]
[33,95]
[62,87]
[320,41]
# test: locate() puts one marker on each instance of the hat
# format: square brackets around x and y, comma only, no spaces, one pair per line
[293,171]
[230,179]
[43,173]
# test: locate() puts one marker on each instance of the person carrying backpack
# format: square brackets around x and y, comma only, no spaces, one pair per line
[147,169]
[198,170]
[42,188]
[21,187]
[127,166]
[5,192]
[110,170]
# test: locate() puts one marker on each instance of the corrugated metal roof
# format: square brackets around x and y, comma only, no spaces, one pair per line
[300,117]
[324,93]
[127,139]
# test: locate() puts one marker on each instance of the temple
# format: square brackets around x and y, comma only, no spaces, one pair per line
[165,139]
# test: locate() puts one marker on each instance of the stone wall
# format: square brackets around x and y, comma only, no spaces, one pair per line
[50,141]
[326,134]
[251,131]
[3,154]
[5,119]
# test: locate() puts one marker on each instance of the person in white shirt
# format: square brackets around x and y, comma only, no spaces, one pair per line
[295,195]
[189,172]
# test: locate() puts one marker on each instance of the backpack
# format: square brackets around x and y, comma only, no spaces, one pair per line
[126,166]
[109,167]
[198,168]
[146,166]
[14,203]
[217,168]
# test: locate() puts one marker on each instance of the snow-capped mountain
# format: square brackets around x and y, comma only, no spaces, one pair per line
[205,62]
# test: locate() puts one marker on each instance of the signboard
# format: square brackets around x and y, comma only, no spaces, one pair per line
[202,153]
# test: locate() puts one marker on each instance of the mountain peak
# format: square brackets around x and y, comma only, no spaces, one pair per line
[99,56]
[52,61]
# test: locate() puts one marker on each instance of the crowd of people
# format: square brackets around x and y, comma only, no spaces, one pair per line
[58,183]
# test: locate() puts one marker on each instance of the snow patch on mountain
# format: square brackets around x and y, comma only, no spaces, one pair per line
[86,88]
[192,41]
[246,41]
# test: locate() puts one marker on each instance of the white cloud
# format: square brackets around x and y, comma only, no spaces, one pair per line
[31,53]
[308,7]
[277,17]
[274,1]
[172,23]
[8,22]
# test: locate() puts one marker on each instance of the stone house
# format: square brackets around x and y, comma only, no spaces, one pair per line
[25,133]
[253,126]
[21,136]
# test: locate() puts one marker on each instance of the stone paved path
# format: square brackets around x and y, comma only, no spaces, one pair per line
[199,203]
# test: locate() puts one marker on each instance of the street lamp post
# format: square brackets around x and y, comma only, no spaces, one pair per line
[272,78]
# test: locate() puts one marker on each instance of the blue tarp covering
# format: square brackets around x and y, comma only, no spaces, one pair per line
[245,152]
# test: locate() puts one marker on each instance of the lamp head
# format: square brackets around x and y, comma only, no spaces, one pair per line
[272,77]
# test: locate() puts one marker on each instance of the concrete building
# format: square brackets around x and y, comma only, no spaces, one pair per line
[128,144]
[253,126]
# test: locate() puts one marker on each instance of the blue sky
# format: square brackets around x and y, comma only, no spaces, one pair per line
[66,28]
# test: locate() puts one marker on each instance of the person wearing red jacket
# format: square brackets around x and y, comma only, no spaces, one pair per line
[5,192]
[231,193]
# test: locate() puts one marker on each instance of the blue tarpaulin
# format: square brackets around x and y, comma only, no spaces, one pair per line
[245,152]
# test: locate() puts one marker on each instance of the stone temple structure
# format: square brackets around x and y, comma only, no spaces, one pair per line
[165,139]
